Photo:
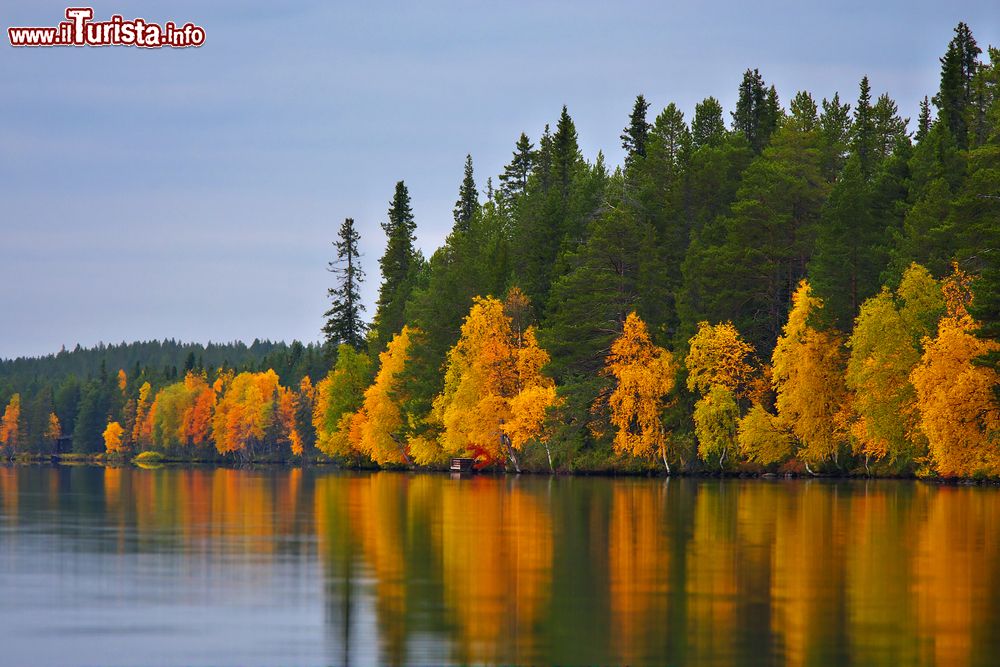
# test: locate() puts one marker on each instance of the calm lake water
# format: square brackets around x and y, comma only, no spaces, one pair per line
[303,567]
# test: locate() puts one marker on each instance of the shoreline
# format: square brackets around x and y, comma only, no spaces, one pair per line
[164,461]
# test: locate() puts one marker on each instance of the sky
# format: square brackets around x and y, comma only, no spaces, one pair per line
[194,193]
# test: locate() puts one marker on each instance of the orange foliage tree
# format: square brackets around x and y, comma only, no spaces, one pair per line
[113,438]
[10,425]
[142,429]
[955,395]
[181,413]
[644,376]
[808,377]
[246,413]
[495,396]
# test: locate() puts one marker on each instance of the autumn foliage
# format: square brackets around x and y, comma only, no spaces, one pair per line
[644,376]
[495,395]
[955,395]
[906,391]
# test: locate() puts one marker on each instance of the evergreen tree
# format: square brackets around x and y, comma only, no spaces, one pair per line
[803,109]
[399,265]
[634,136]
[744,266]
[863,139]
[924,120]
[707,127]
[552,216]
[468,199]
[958,66]
[514,179]
[835,131]
[757,110]
[566,157]
[889,128]
[343,320]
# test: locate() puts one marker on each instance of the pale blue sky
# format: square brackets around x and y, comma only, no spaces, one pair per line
[194,193]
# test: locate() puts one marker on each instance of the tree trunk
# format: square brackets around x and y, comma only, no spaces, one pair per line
[402,451]
[663,452]
[548,453]
[505,442]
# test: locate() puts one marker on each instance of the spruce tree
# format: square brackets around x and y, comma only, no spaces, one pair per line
[707,127]
[344,325]
[863,140]
[890,128]
[566,157]
[958,66]
[757,110]
[634,136]
[399,265]
[924,120]
[835,130]
[514,179]
[468,199]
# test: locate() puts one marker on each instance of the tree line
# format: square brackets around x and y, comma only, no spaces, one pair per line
[812,286]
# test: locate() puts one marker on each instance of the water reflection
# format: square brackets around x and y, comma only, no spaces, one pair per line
[216,566]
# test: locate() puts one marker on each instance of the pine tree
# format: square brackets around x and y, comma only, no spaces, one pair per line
[399,265]
[468,199]
[344,325]
[514,179]
[634,136]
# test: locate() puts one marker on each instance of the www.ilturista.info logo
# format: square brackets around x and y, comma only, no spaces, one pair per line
[80,30]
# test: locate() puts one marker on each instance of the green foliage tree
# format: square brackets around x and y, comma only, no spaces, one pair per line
[344,324]
[468,198]
[399,264]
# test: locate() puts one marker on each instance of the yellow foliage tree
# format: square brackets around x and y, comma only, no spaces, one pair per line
[644,376]
[53,430]
[954,395]
[885,347]
[377,429]
[763,438]
[337,397]
[495,395]
[808,377]
[718,356]
[245,412]
[113,438]
[716,421]
[10,425]
[122,380]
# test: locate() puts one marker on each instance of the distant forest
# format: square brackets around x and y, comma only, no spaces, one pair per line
[809,285]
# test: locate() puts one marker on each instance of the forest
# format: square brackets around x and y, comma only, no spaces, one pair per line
[807,287]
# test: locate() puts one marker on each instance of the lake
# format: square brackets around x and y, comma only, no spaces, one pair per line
[202,566]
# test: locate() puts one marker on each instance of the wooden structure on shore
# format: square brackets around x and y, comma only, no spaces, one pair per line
[463,465]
